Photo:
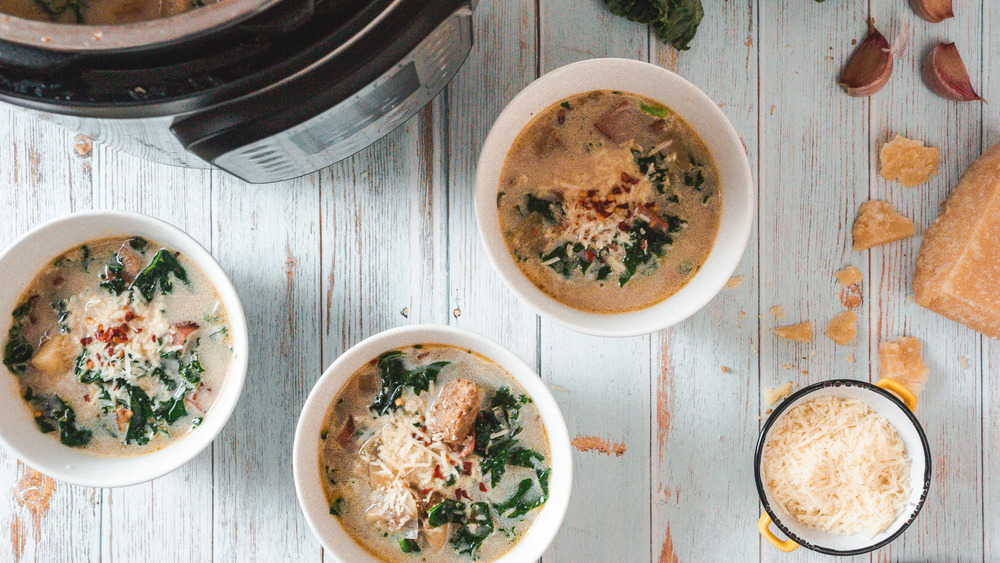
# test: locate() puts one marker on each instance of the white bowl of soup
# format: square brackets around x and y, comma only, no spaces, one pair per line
[125,348]
[432,443]
[614,197]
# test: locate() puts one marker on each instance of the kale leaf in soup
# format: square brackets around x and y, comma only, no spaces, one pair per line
[602,196]
[112,359]
[432,453]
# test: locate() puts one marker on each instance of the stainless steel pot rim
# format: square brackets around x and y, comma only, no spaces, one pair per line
[776,414]
[78,38]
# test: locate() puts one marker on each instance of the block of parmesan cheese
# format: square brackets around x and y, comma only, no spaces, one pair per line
[958,267]
[900,360]
[878,223]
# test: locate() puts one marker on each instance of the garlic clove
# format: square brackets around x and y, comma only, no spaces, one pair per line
[945,74]
[933,11]
[869,67]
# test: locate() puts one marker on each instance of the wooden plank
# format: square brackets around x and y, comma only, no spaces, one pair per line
[601,384]
[705,370]
[388,200]
[43,178]
[267,238]
[502,62]
[181,501]
[907,107]
[383,253]
[813,177]
[989,87]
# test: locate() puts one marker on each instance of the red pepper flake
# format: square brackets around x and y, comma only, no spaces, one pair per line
[561,116]
[86,398]
[427,490]
[437,472]
[86,340]
[629,179]
[643,244]
[466,467]
[590,255]
[459,493]
[627,188]
[623,226]
[482,487]
[616,190]
[129,315]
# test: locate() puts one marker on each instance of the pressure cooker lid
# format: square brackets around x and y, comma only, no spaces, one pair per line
[81,38]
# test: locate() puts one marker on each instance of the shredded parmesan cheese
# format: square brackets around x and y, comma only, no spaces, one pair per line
[407,466]
[837,466]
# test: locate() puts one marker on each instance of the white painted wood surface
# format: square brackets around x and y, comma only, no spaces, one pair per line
[388,238]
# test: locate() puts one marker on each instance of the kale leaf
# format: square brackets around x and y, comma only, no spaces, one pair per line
[114,281]
[17,352]
[142,416]
[474,530]
[499,420]
[192,369]
[520,503]
[647,243]
[545,208]
[444,512]
[395,376]
[407,545]
[55,414]
[157,274]
[674,21]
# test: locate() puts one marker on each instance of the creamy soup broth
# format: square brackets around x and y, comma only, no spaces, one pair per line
[98,12]
[106,370]
[356,440]
[609,202]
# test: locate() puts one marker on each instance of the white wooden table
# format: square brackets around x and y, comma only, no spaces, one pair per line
[388,238]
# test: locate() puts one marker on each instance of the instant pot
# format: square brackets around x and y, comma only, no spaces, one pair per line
[267,90]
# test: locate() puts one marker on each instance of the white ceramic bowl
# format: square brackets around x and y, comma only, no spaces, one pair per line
[882,402]
[18,265]
[305,456]
[687,101]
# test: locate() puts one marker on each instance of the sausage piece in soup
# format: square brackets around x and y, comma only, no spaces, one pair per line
[434,453]
[119,346]
[609,202]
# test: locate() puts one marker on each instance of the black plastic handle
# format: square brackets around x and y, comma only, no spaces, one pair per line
[330,80]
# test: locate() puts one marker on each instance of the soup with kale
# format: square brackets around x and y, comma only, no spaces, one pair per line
[119,346]
[434,453]
[609,202]
[97,12]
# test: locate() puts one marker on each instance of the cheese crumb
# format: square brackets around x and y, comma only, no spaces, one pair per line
[778,311]
[735,282]
[850,358]
[843,328]
[786,366]
[725,369]
[849,275]
[773,396]
[963,362]
[802,332]
[900,360]
[877,224]
[908,161]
